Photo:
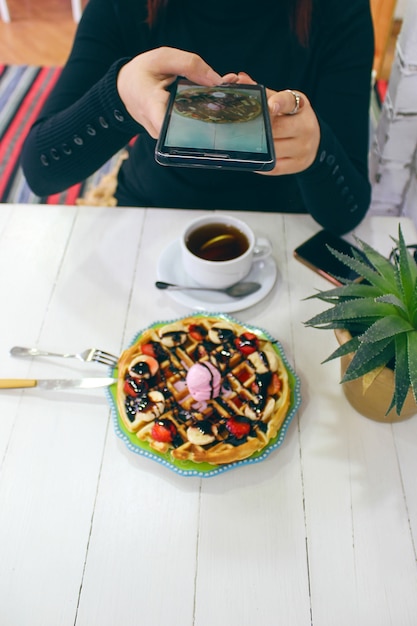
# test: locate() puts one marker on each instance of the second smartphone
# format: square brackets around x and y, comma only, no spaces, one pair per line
[316,255]
[217,127]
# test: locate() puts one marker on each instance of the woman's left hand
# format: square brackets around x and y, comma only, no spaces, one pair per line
[296,137]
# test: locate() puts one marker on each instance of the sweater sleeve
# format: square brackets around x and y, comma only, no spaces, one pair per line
[84,122]
[336,189]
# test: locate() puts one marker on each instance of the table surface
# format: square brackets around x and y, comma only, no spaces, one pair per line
[322,532]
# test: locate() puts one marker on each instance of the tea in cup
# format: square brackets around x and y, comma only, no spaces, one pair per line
[219,250]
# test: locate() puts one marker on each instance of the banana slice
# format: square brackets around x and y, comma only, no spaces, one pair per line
[143,366]
[202,434]
[221,332]
[154,407]
[172,335]
[264,360]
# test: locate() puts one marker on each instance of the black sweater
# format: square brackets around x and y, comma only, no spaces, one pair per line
[84,122]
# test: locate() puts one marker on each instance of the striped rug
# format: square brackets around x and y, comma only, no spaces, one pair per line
[23,90]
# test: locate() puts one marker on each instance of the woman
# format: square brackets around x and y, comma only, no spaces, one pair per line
[127,52]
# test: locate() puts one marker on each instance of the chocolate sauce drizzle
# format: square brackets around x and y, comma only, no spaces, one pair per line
[211,382]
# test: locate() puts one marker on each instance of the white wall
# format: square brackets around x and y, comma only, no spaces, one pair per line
[400,9]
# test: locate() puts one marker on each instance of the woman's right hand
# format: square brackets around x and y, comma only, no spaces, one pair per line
[142,83]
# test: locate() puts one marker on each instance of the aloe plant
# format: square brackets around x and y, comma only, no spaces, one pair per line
[381,314]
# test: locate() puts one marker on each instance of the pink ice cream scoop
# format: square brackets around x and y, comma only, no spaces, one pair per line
[203,381]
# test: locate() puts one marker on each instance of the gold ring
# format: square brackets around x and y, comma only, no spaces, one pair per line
[297,102]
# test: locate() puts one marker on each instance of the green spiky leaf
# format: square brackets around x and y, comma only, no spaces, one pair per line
[383,283]
[345,348]
[347,292]
[413,307]
[368,357]
[407,269]
[402,381]
[354,326]
[412,361]
[378,262]
[386,328]
[352,309]
[391,299]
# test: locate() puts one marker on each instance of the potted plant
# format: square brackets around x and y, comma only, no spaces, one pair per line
[375,321]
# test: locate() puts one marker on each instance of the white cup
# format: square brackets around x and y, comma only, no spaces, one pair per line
[238,241]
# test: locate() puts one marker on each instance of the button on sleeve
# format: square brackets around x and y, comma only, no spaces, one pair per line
[118,115]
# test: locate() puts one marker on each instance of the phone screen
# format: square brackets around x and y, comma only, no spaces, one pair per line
[315,254]
[225,126]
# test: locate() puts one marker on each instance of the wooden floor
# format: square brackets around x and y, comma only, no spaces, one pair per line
[41,33]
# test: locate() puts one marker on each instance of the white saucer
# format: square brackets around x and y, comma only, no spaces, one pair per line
[170,270]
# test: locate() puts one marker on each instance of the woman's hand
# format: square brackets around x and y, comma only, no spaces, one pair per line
[296,137]
[142,83]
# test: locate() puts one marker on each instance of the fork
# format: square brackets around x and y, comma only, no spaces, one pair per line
[88,356]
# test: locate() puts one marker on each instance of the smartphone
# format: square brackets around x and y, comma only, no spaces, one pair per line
[217,127]
[315,254]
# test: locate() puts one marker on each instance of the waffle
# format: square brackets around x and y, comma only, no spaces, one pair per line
[237,419]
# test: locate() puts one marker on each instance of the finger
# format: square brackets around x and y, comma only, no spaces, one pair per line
[283,166]
[230,78]
[167,61]
[285,102]
[154,122]
[193,67]
[156,114]
[245,79]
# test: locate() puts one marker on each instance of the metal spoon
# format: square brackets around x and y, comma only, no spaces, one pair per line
[239,290]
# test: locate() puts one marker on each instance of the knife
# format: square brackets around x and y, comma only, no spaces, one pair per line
[56,383]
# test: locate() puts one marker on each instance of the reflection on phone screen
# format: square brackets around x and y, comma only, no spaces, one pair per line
[217,118]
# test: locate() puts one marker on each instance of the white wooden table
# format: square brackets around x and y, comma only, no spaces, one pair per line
[323,532]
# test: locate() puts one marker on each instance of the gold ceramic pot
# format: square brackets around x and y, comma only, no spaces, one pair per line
[373,401]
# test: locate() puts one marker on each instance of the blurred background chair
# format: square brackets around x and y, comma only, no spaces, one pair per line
[77,10]
[4,11]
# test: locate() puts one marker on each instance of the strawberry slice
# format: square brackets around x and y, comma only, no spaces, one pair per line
[134,387]
[238,426]
[163,431]
[154,349]
[197,332]
[148,349]
[275,385]
[247,343]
